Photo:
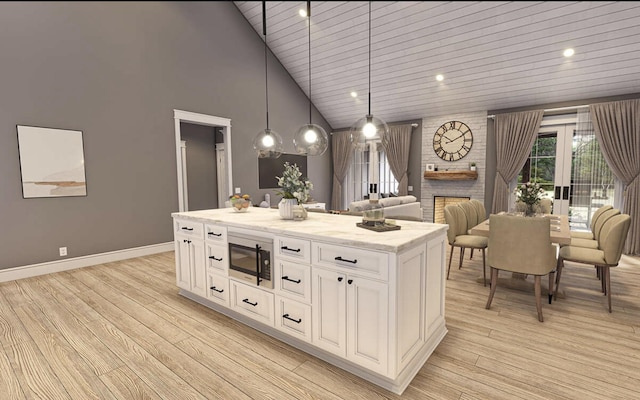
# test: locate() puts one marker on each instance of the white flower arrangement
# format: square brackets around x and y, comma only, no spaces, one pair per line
[293,185]
[529,193]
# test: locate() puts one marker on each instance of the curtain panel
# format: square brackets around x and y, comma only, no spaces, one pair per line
[342,152]
[617,128]
[396,146]
[515,135]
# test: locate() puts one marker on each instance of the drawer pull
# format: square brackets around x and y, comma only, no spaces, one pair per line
[286,278]
[289,249]
[216,290]
[214,234]
[248,302]
[186,241]
[215,259]
[340,279]
[187,229]
[349,281]
[345,260]
[297,321]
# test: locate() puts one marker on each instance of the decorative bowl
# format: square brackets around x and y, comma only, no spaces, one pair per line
[240,205]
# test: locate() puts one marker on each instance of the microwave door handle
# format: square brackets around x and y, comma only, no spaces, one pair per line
[258,262]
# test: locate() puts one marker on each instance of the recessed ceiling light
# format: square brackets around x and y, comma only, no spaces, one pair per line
[303,13]
[439,78]
[354,94]
[568,52]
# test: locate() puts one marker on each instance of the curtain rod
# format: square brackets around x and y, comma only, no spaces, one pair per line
[553,109]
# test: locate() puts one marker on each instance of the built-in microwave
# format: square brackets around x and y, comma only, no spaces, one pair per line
[250,259]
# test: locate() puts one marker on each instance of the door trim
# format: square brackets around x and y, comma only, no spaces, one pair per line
[200,119]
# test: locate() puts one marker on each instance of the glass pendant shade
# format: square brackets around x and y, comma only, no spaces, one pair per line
[311,140]
[368,128]
[268,144]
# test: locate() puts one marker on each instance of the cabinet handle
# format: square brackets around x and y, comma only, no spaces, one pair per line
[350,281]
[216,290]
[297,321]
[187,229]
[286,278]
[248,302]
[287,248]
[186,241]
[340,279]
[214,234]
[345,260]
[215,259]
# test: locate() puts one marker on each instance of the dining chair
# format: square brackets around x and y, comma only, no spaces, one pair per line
[545,206]
[458,236]
[480,210]
[522,245]
[589,234]
[597,229]
[610,244]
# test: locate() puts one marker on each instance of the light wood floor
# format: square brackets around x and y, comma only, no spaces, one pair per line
[120,331]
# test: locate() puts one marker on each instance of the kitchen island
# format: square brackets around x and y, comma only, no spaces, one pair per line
[369,302]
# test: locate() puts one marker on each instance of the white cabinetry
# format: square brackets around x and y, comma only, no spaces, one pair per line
[351,312]
[190,263]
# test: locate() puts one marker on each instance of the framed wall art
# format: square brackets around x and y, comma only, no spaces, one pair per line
[51,162]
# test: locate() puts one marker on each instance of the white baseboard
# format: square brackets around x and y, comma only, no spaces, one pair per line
[27,271]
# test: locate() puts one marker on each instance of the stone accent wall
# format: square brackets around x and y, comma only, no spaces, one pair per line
[440,203]
[473,189]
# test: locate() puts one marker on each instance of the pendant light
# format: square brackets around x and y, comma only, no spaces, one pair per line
[310,139]
[369,127]
[268,143]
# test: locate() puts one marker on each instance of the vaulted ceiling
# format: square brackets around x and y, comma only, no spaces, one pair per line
[493,55]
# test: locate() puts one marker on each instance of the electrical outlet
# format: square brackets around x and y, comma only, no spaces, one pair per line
[237,190]
[63,251]
[410,188]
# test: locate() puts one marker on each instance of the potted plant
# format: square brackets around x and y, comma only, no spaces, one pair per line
[472,166]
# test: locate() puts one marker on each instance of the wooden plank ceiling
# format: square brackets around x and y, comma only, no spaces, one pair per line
[492,55]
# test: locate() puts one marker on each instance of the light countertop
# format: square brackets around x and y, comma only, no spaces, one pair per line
[326,227]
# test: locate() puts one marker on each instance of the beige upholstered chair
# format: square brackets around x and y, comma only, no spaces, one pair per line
[596,215]
[471,212]
[480,210]
[523,245]
[597,229]
[610,243]
[458,237]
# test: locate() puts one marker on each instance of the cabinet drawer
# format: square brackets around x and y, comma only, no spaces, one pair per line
[293,318]
[215,233]
[293,249]
[189,228]
[293,280]
[217,258]
[218,289]
[351,260]
[252,302]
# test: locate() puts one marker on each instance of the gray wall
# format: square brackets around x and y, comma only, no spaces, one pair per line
[202,179]
[116,71]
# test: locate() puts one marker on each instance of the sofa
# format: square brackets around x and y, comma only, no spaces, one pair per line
[400,207]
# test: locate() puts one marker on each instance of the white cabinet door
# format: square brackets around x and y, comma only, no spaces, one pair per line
[183,264]
[198,268]
[329,311]
[190,266]
[367,323]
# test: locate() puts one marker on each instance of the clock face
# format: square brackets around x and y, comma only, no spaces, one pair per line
[452,141]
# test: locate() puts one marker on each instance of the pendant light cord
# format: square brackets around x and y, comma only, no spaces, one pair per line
[309,20]
[369,58]
[266,80]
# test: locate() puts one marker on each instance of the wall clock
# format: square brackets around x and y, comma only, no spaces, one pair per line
[452,141]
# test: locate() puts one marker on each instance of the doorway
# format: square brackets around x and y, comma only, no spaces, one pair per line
[222,155]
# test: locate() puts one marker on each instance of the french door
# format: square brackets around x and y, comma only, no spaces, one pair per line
[568,165]
[369,174]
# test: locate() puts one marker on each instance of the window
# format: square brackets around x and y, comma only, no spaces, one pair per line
[369,167]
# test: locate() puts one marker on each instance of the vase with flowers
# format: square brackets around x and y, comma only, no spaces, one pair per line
[528,194]
[294,190]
